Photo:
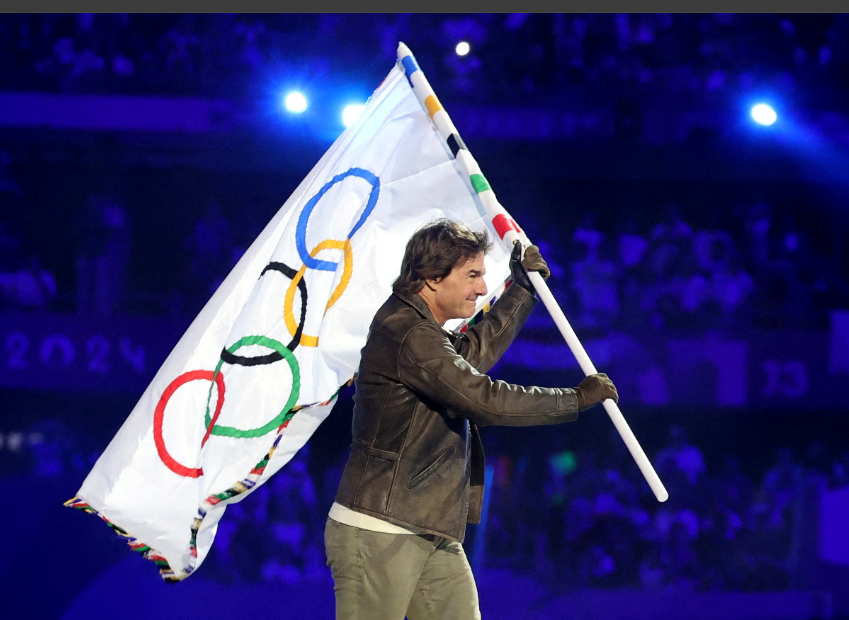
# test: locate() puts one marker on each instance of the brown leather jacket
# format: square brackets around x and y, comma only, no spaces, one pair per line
[416,459]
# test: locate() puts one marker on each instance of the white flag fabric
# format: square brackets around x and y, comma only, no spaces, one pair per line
[260,367]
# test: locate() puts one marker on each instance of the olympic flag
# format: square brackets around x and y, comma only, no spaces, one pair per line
[260,367]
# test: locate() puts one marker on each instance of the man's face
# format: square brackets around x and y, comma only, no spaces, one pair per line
[454,296]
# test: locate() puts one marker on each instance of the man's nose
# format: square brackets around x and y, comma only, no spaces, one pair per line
[481,289]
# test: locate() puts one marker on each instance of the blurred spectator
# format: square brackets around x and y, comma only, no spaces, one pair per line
[211,250]
[839,474]
[632,245]
[103,255]
[732,288]
[11,217]
[680,456]
[56,451]
[247,227]
[295,537]
[9,187]
[594,278]
[690,285]
[10,249]
[731,486]
[756,217]
[30,287]
[249,547]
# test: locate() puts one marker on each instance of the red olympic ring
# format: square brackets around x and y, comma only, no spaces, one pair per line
[159,416]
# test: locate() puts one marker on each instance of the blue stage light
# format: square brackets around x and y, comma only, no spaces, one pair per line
[462,48]
[295,102]
[351,113]
[764,114]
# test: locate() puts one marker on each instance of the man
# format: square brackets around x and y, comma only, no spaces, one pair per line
[415,473]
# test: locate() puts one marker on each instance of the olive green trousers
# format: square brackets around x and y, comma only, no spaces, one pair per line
[380,576]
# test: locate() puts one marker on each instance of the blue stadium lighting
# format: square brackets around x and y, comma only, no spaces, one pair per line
[764,114]
[462,48]
[351,113]
[295,102]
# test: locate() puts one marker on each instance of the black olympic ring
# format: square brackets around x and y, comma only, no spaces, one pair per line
[274,356]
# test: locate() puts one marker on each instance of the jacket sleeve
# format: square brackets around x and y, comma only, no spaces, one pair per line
[429,365]
[483,344]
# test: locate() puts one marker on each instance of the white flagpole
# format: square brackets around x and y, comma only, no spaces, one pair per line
[610,406]
[509,232]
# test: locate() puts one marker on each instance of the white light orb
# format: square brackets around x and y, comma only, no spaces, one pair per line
[351,113]
[295,102]
[763,114]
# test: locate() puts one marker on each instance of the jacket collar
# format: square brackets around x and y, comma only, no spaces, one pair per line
[415,300]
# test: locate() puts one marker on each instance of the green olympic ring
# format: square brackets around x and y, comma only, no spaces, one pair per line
[230,431]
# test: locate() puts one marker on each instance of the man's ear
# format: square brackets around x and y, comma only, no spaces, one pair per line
[429,283]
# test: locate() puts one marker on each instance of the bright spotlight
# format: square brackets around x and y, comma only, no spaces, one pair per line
[462,48]
[763,114]
[295,102]
[351,113]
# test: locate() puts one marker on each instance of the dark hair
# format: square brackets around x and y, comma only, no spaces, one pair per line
[434,250]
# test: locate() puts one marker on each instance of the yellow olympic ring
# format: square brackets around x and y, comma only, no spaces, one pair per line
[288,314]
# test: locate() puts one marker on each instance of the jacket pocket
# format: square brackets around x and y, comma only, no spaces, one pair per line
[428,471]
[363,446]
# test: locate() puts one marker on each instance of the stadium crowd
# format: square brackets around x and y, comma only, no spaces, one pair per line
[572,516]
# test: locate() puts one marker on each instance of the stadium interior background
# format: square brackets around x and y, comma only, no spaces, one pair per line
[701,258]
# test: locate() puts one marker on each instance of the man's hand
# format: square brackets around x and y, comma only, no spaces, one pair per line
[594,389]
[533,261]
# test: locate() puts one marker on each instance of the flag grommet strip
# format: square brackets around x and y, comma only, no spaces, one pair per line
[136,545]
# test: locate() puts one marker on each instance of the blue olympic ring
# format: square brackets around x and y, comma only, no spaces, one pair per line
[301,230]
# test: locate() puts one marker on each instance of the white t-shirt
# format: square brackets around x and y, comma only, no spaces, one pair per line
[346,516]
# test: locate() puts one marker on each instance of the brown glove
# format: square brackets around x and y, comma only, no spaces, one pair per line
[594,389]
[533,261]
